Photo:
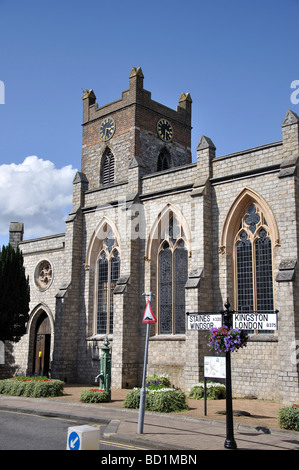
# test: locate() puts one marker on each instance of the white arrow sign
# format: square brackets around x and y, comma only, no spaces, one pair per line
[73,442]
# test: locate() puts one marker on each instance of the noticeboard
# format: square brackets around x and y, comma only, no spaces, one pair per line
[214,367]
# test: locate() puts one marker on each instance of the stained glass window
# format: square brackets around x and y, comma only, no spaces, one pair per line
[108,274]
[165,307]
[244,273]
[102,294]
[254,264]
[264,282]
[173,274]
[252,219]
[180,279]
[115,264]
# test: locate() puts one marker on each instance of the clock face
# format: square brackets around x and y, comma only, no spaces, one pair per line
[107,128]
[164,130]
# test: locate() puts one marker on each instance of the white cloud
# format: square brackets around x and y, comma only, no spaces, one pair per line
[36,193]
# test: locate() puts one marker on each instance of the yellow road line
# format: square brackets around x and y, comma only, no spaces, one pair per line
[125,446]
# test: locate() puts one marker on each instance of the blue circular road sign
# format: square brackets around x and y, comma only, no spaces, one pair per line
[74,441]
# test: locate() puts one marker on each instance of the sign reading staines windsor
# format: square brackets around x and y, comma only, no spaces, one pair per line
[204,322]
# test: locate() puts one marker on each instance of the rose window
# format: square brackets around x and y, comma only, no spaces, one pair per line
[44,275]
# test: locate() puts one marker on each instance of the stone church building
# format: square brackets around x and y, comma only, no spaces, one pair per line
[145,218]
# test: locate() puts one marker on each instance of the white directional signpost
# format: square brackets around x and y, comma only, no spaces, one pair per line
[255,321]
[148,318]
[266,321]
[262,320]
[205,321]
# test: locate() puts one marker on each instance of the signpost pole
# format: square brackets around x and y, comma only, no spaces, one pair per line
[230,442]
[205,395]
[263,320]
[143,391]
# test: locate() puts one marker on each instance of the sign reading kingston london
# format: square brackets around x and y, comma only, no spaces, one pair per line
[255,321]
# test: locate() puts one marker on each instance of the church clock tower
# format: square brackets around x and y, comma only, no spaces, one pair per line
[133,128]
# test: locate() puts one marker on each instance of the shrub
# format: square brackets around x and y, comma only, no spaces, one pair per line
[132,399]
[35,378]
[31,387]
[215,391]
[16,388]
[164,400]
[94,395]
[167,400]
[159,396]
[44,389]
[157,381]
[3,386]
[288,417]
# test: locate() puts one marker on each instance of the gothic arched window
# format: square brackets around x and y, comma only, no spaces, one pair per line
[108,274]
[253,263]
[172,277]
[108,168]
[163,160]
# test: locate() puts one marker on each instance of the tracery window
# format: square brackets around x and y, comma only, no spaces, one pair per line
[108,168]
[108,274]
[43,275]
[253,263]
[172,277]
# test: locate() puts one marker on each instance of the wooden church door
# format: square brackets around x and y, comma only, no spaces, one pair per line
[42,346]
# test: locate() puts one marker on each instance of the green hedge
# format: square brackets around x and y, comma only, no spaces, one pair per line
[164,400]
[94,396]
[288,417]
[215,391]
[35,387]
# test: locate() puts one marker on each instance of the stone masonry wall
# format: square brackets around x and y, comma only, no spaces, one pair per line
[203,196]
[34,252]
[260,369]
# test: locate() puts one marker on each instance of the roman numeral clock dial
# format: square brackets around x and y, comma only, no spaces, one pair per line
[107,129]
[164,130]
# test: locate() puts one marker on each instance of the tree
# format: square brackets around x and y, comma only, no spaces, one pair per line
[14,295]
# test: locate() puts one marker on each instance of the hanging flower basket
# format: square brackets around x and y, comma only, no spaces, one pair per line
[225,339]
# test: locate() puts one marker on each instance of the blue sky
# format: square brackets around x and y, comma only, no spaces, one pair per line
[237,59]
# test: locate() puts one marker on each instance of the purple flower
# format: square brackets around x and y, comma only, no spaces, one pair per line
[226,339]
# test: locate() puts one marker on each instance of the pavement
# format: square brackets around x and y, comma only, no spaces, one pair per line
[160,431]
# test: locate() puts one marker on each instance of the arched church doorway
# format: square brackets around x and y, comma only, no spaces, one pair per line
[41,365]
